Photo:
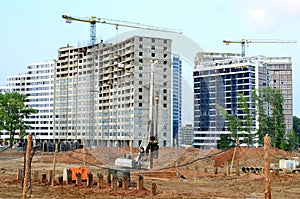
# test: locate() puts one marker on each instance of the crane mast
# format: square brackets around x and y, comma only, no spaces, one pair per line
[93,20]
[243,42]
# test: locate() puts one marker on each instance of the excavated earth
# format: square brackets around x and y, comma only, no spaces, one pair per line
[177,172]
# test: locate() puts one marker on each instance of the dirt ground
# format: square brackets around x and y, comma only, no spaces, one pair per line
[182,181]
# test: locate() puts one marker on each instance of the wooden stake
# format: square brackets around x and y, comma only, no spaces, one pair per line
[54,163]
[237,165]
[83,153]
[130,146]
[267,167]
[27,166]
[43,148]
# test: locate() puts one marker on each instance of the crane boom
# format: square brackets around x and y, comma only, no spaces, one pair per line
[248,41]
[93,20]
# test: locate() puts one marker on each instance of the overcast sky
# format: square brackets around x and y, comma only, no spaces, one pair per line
[32,31]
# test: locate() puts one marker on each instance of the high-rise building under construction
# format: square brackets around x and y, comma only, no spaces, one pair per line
[110,94]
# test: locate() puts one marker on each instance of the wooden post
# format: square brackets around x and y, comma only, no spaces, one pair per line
[78,179]
[60,180]
[83,153]
[27,166]
[267,167]
[43,177]
[69,176]
[237,165]
[50,176]
[216,170]
[89,179]
[130,145]
[140,186]
[113,182]
[36,175]
[125,183]
[43,149]
[54,163]
[227,170]
[100,180]
[20,175]
[154,189]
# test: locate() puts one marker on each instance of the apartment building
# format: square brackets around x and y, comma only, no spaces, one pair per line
[218,79]
[280,70]
[110,94]
[187,135]
[39,89]
[38,84]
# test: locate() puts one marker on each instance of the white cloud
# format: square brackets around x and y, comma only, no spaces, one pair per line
[260,19]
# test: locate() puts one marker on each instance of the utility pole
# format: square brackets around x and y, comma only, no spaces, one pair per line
[156,116]
[27,166]
[151,105]
[267,167]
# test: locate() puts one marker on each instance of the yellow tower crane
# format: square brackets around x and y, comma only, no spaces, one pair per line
[93,20]
[248,41]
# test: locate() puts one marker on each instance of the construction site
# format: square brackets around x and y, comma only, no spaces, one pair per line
[115,102]
[176,173]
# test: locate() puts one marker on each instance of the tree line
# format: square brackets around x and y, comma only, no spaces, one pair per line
[264,107]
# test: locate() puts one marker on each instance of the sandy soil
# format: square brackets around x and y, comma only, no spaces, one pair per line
[180,182]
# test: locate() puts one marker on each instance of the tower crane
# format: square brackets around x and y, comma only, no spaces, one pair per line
[93,20]
[248,41]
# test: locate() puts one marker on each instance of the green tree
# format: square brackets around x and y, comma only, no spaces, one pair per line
[291,141]
[262,117]
[225,142]
[13,113]
[296,128]
[247,121]
[233,125]
[276,123]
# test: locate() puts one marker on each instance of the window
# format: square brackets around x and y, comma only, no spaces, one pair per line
[140,82]
[140,60]
[141,46]
[152,47]
[140,89]
[140,104]
[153,40]
[165,105]
[141,75]
[140,53]
[140,67]
[140,97]
[152,54]
[141,38]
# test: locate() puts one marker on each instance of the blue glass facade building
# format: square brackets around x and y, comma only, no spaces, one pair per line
[176,98]
[220,81]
